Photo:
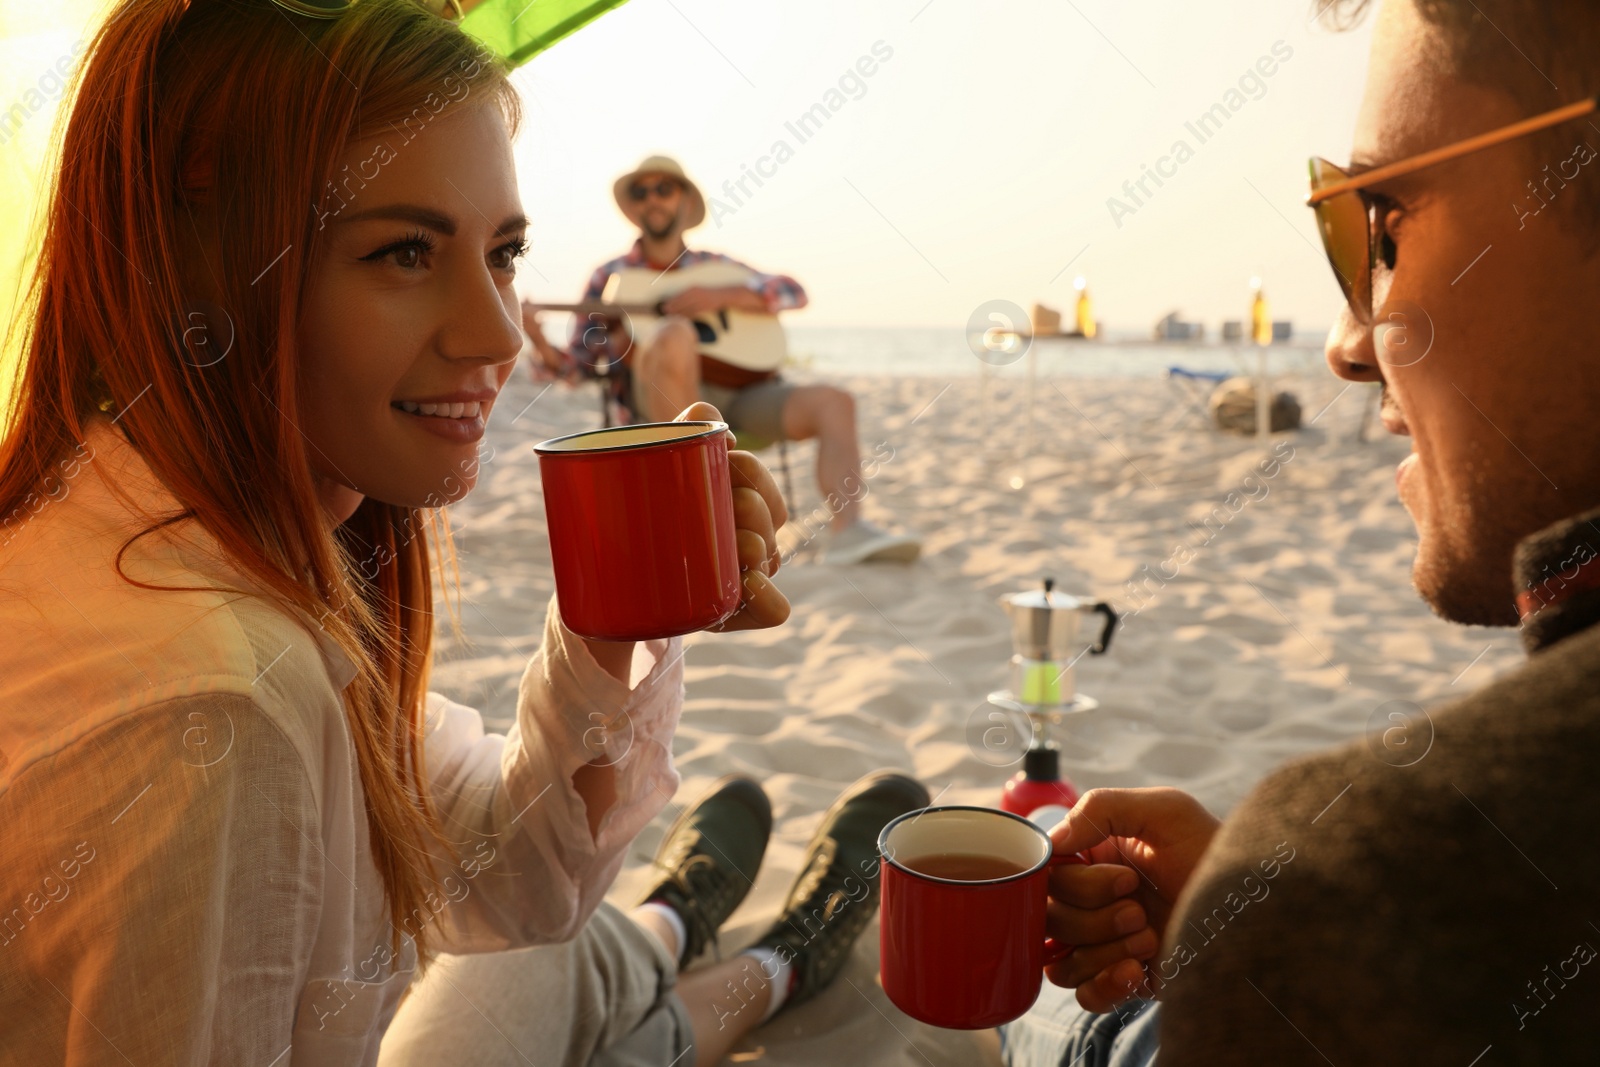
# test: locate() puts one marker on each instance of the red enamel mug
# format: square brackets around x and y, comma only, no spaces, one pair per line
[641,529]
[961,951]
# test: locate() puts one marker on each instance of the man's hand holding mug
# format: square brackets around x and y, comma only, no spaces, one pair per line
[1144,844]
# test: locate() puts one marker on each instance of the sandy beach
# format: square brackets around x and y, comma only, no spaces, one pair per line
[1289,622]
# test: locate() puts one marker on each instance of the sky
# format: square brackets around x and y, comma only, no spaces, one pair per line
[970,151]
[977,160]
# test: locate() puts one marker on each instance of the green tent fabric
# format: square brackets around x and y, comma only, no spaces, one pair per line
[521,29]
[41,42]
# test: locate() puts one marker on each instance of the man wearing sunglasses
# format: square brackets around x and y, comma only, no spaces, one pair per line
[665,373]
[1430,894]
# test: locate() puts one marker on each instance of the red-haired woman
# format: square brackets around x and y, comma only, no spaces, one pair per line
[235,819]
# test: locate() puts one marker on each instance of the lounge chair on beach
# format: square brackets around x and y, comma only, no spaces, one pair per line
[1195,386]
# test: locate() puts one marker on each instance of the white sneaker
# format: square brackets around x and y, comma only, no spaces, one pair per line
[864,542]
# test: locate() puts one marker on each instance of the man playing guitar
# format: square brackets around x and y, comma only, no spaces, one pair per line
[665,369]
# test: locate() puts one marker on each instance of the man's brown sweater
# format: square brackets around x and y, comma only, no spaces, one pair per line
[1442,909]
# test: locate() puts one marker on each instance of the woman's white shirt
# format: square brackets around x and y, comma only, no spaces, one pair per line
[188,875]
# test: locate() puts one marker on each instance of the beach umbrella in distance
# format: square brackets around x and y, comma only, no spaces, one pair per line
[40,47]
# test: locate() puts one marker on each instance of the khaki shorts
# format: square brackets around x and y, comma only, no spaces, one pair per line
[755,410]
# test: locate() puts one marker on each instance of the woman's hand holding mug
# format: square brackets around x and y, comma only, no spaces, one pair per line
[758,514]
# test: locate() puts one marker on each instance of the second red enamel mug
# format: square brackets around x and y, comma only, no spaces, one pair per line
[965,949]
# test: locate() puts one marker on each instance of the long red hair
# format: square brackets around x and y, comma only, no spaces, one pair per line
[194,167]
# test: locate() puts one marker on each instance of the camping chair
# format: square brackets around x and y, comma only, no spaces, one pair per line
[613,381]
[749,442]
[1196,387]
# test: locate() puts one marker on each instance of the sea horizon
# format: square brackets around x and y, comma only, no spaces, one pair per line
[943,351]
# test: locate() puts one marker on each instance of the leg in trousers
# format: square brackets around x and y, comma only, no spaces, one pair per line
[605,999]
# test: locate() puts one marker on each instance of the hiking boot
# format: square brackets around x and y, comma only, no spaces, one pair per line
[836,893]
[710,857]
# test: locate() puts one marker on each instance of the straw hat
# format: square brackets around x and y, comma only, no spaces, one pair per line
[694,205]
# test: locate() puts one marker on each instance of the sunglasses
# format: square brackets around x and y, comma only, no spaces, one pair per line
[328,9]
[1348,217]
[639,192]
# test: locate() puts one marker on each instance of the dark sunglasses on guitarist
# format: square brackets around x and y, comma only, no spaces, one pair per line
[639,192]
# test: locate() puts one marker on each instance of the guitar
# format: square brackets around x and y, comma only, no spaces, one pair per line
[737,348]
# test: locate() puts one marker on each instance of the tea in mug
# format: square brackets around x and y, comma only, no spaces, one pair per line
[964,866]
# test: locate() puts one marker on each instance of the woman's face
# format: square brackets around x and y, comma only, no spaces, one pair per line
[409,327]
